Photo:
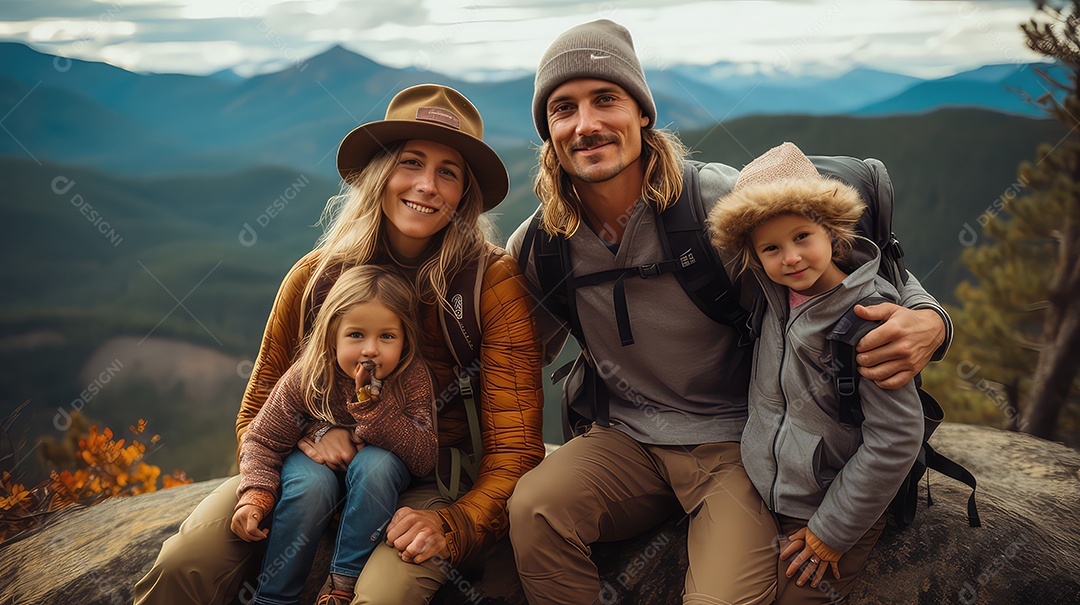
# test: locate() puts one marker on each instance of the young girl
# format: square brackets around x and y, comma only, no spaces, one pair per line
[828,483]
[365,335]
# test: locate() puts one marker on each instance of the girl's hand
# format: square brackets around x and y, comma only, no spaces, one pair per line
[364,374]
[336,449]
[245,523]
[365,377]
[809,561]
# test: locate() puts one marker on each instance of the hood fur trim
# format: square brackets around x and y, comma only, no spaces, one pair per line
[733,219]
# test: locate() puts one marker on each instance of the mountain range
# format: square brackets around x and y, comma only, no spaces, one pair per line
[94,114]
[165,208]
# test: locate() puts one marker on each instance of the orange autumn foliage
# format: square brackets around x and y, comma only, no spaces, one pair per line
[103,468]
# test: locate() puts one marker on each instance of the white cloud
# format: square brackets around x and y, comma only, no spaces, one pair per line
[57,30]
[464,36]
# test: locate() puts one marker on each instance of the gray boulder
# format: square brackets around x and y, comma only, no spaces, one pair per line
[1026,551]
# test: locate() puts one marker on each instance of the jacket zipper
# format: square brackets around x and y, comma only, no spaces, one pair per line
[783,417]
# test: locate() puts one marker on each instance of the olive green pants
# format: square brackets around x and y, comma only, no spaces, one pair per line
[205,563]
[605,486]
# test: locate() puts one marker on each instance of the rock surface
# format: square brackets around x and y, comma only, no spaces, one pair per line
[1026,551]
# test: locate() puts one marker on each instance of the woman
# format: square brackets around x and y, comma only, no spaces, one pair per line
[418,182]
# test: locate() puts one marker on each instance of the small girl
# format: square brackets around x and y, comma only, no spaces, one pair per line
[828,483]
[358,369]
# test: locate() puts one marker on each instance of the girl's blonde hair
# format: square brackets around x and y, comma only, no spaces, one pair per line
[842,236]
[318,357]
[830,203]
[355,231]
[663,154]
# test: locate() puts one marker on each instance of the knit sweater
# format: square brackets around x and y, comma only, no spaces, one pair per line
[399,421]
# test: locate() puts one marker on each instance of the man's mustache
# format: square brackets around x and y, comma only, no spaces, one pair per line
[592,140]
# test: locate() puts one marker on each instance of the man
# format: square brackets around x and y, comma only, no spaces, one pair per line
[677,389]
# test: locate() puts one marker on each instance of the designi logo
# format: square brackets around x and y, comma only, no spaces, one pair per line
[459,306]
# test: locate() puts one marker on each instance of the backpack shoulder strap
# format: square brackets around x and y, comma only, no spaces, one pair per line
[842,338]
[461,331]
[461,322]
[700,270]
[551,258]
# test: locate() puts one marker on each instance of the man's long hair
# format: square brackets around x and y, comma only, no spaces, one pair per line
[663,155]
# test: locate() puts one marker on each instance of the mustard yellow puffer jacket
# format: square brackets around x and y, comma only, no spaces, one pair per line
[511,399]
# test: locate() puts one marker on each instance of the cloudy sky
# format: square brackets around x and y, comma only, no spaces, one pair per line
[499,38]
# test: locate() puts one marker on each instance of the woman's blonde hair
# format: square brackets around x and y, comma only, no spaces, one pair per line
[355,231]
[318,357]
[663,154]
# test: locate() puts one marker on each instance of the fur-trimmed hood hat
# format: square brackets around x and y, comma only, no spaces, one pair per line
[781,181]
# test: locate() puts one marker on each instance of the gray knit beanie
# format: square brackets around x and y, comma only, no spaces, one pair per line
[600,49]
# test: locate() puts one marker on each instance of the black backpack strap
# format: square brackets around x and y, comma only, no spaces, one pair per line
[953,470]
[842,339]
[690,258]
[461,331]
[551,258]
[844,336]
[461,323]
[622,311]
[696,264]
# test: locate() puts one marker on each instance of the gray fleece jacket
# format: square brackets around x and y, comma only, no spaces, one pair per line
[803,461]
[685,380]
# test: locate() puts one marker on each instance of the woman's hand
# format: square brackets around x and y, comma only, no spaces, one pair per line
[815,566]
[336,448]
[894,352]
[417,534]
[245,523]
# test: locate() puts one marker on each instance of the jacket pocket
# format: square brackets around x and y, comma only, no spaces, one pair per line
[802,475]
[838,442]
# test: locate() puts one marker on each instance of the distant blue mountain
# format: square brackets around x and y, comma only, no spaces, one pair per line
[744,94]
[57,124]
[121,122]
[992,86]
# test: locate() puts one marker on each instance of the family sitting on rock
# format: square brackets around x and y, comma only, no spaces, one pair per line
[356,404]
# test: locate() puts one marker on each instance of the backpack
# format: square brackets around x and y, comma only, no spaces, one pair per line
[696,266]
[701,274]
[842,339]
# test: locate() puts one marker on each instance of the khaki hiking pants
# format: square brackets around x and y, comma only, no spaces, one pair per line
[829,590]
[205,563]
[605,486]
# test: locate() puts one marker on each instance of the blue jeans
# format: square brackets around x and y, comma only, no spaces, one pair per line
[310,492]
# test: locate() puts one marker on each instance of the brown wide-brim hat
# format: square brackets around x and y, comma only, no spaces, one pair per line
[432,113]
